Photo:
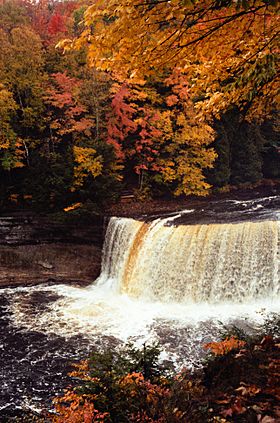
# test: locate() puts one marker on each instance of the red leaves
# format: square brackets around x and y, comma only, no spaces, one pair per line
[129,120]
[57,24]
[120,120]
[68,113]
[51,23]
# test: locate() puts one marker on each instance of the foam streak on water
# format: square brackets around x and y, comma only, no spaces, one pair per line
[154,272]
[174,284]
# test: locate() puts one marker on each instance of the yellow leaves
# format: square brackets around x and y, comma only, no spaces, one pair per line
[168,171]
[87,163]
[12,151]
[181,119]
[186,148]
[65,44]
[115,169]
[135,78]
[4,142]
[7,103]
[213,47]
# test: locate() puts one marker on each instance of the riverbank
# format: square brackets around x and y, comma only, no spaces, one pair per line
[132,208]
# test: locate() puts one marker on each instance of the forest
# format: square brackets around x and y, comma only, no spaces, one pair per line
[150,99]
[97,98]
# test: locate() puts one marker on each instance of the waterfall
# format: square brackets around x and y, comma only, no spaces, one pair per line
[214,263]
[179,286]
[176,285]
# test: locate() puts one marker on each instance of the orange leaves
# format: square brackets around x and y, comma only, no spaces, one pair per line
[73,408]
[215,45]
[231,388]
[224,347]
[73,207]
[132,382]
[171,100]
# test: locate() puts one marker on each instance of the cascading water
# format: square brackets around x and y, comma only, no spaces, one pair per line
[161,281]
[214,263]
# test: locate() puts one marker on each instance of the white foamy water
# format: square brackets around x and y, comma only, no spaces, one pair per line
[178,285]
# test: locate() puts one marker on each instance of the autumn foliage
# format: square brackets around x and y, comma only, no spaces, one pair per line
[90,107]
[239,383]
[225,346]
[186,35]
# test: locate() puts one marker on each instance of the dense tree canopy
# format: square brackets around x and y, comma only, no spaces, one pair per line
[227,49]
[157,97]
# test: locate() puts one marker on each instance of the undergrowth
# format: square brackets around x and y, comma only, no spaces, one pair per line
[240,382]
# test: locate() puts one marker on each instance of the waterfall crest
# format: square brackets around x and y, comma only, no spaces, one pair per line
[236,262]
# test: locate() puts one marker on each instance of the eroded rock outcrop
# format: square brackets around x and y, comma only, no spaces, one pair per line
[34,250]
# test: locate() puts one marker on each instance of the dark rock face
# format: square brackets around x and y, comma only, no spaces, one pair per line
[33,250]
[21,230]
[49,262]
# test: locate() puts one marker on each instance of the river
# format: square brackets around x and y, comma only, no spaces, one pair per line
[178,280]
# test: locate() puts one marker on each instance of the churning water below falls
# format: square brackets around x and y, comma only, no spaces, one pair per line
[175,284]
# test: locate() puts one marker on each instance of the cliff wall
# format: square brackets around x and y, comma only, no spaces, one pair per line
[33,250]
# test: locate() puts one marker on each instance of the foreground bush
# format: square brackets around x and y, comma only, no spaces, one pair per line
[240,382]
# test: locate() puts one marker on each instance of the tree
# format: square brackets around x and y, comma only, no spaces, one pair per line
[12,15]
[52,110]
[21,72]
[11,146]
[73,116]
[154,130]
[241,70]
